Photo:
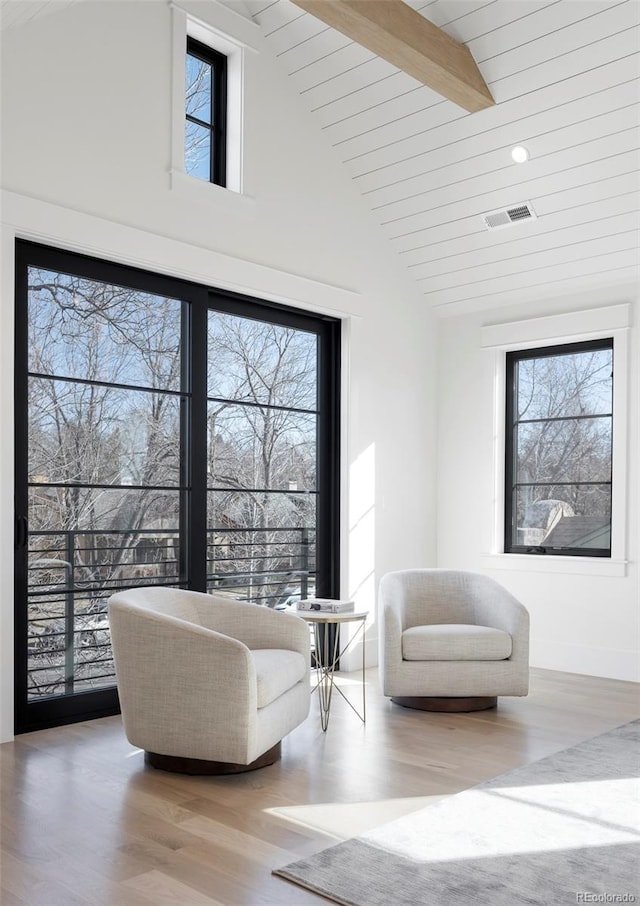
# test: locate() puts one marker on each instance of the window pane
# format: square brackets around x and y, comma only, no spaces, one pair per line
[564,516]
[71,576]
[84,329]
[261,547]
[91,509]
[57,560]
[102,435]
[69,644]
[571,450]
[197,151]
[72,573]
[198,89]
[559,385]
[84,543]
[258,447]
[252,361]
[261,542]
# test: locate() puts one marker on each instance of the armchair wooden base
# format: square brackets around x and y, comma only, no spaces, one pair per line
[179,765]
[452,705]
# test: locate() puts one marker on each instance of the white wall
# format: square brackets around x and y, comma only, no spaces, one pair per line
[86,130]
[582,619]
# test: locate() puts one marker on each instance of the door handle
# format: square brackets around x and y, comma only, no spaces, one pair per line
[21,532]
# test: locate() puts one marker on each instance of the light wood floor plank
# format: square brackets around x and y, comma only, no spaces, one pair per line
[161,889]
[84,823]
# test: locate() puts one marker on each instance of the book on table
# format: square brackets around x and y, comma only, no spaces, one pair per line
[326,605]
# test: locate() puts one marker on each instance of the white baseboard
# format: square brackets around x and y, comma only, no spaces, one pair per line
[611,663]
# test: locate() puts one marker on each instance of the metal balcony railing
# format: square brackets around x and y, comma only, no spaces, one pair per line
[71,575]
[262,565]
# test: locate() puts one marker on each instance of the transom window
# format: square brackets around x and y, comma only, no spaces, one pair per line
[559,449]
[206,113]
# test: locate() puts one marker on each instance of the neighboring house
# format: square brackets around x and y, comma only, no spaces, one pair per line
[578,531]
[540,518]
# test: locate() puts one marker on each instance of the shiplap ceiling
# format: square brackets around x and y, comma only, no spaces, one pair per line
[17,12]
[565,76]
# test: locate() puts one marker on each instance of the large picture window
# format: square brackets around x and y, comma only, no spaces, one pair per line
[559,435]
[166,434]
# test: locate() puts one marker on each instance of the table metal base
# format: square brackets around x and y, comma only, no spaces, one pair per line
[327,655]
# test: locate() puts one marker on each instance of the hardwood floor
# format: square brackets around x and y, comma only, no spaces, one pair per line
[84,822]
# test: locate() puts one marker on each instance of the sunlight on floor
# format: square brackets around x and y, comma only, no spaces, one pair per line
[346,820]
[527,819]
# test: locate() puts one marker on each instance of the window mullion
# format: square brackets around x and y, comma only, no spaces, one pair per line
[198,122]
[213,114]
[196,449]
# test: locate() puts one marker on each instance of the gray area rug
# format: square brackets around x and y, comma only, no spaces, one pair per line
[565,829]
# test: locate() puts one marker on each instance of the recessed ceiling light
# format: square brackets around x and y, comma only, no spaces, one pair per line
[519,154]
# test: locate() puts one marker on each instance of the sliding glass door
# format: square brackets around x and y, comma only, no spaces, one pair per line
[166,434]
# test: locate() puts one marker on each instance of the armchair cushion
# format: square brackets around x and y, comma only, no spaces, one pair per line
[276,671]
[455,642]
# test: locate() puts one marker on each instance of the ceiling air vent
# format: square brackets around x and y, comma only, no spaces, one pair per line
[504,217]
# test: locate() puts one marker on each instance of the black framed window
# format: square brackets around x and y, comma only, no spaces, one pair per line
[559,441]
[206,113]
[167,433]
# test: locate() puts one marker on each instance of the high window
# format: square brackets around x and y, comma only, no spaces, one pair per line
[166,434]
[559,435]
[206,113]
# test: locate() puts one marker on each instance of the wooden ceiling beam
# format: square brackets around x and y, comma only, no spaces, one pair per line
[397,33]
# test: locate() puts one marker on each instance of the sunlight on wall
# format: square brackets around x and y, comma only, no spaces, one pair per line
[362,490]
[360,570]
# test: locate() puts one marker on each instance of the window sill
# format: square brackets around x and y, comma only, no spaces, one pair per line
[539,563]
[192,188]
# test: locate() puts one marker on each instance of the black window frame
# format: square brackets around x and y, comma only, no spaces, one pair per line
[217,124]
[511,426]
[198,300]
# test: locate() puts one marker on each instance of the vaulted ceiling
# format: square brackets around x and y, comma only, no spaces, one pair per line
[565,78]
[564,75]
[13,13]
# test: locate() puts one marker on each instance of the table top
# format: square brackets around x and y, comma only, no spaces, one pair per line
[323,616]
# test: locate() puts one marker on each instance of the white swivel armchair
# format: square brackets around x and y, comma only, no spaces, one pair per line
[207,685]
[451,640]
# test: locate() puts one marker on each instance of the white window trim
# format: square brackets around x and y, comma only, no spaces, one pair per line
[613,321]
[184,24]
